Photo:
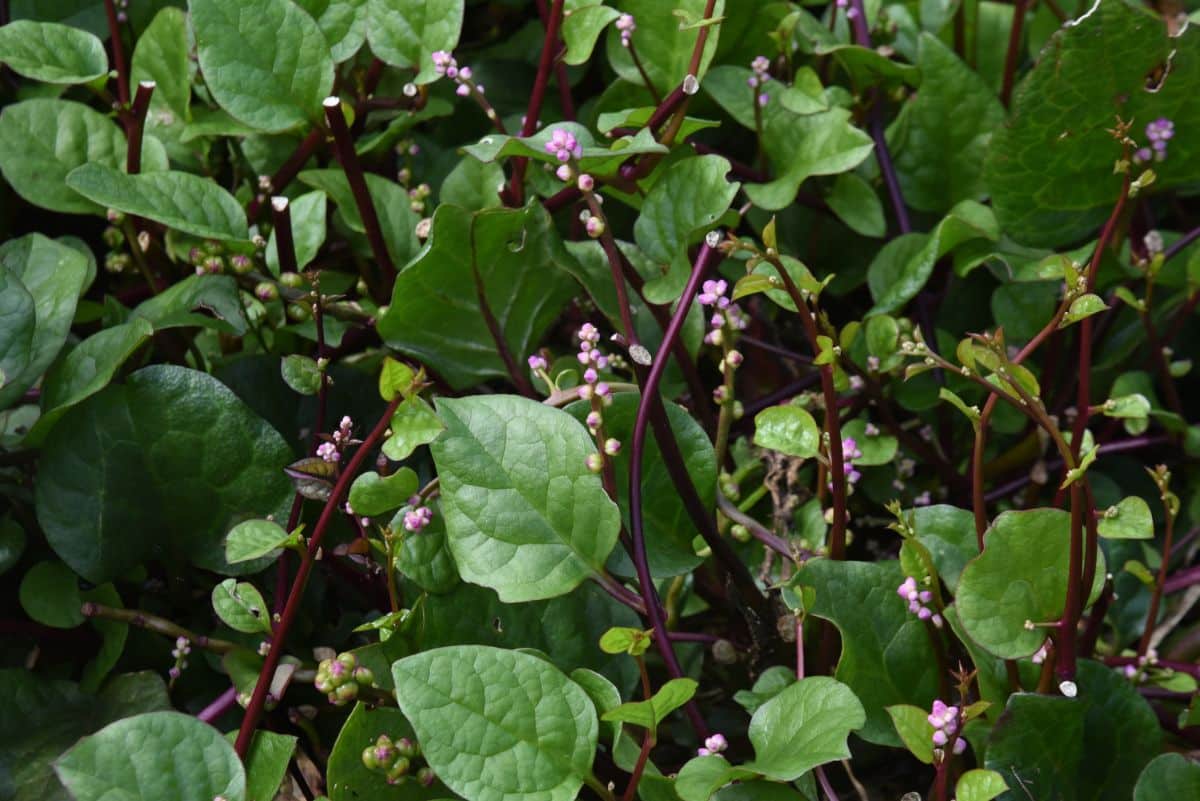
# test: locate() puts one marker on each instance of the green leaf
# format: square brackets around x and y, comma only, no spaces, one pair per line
[425,557]
[252,539]
[156,454]
[1128,407]
[1083,306]
[308,231]
[435,314]
[886,655]
[301,373]
[347,779]
[241,607]
[626,640]
[948,533]
[804,726]
[605,696]
[972,413]
[153,756]
[395,378]
[772,681]
[685,203]
[876,448]
[188,203]
[1050,169]
[1020,577]
[47,51]
[595,159]
[532,731]
[699,778]
[856,204]
[979,785]
[50,595]
[1130,519]
[524,515]
[42,280]
[42,140]
[940,138]
[1168,776]
[86,369]
[582,26]
[161,55]
[406,33]
[867,66]
[397,220]
[12,543]
[650,713]
[266,763]
[265,61]
[472,184]
[788,429]
[900,271]
[178,306]
[372,495]
[1089,747]
[801,146]
[664,46]
[343,22]
[912,724]
[669,529]
[414,424]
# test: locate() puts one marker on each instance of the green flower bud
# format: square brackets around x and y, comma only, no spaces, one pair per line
[291,280]
[740,533]
[426,777]
[345,694]
[364,676]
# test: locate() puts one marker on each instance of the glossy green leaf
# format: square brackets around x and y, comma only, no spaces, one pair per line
[473,184]
[626,640]
[301,373]
[371,494]
[669,529]
[1050,170]
[241,607]
[1129,407]
[50,595]
[597,159]
[582,26]
[654,710]
[1083,306]
[772,681]
[349,780]
[899,272]
[524,515]
[393,207]
[343,22]
[395,378]
[153,756]
[701,777]
[414,424]
[876,447]
[406,33]
[867,66]
[948,533]
[664,47]
[47,51]
[307,213]
[424,557]
[1090,747]
[856,204]
[940,138]
[513,256]
[886,655]
[266,763]
[979,785]
[498,725]
[265,61]
[804,726]
[788,429]
[179,200]
[1168,776]
[43,279]
[912,724]
[207,301]
[1020,577]
[252,539]
[161,55]
[1130,519]
[107,488]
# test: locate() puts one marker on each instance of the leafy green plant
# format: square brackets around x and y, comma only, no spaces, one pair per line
[608,399]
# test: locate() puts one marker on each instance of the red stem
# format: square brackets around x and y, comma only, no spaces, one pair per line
[533,111]
[1157,593]
[255,708]
[136,126]
[118,52]
[288,170]
[1014,49]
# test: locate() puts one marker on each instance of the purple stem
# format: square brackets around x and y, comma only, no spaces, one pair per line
[1182,580]
[220,705]
[1181,243]
[1131,444]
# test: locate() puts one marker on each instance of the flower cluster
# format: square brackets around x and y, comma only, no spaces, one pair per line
[339,678]
[850,452]
[760,66]
[418,516]
[626,25]
[598,392]
[395,759]
[946,723]
[918,601]
[563,145]
[714,745]
[444,64]
[331,451]
[1160,133]
[725,312]
[182,648]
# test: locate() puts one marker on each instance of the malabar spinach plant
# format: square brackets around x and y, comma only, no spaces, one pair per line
[673,400]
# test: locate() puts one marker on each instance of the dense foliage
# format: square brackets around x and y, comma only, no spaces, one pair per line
[528,401]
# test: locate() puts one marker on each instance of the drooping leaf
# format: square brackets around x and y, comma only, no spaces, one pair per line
[266,62]
[524,515]
[179,200]
[405,33]
[804,726]
[511,258]
[531,730]
[194,462]
[153,756]
[47,51]
[1021,577]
